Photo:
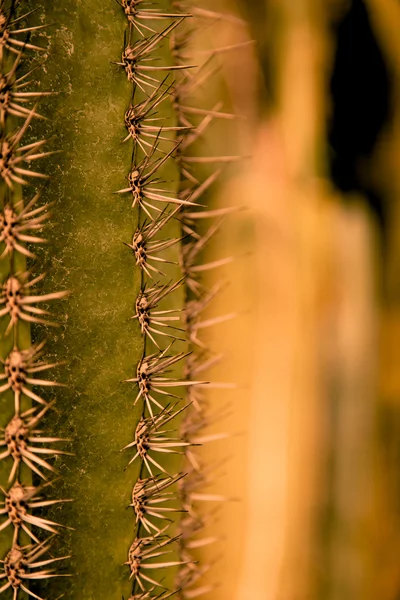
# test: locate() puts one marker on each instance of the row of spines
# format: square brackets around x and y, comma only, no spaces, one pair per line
[24,446]
[154,494]
[159,207]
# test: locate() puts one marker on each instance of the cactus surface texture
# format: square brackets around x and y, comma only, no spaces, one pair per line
[104,299]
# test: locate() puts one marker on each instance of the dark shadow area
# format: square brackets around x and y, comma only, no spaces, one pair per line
[360,91]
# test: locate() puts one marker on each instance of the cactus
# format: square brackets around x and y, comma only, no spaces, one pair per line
[103,451]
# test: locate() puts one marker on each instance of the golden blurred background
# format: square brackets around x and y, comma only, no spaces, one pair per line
[312,465]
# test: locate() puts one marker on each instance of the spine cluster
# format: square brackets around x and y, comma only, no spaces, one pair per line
[26,451]
[170,424]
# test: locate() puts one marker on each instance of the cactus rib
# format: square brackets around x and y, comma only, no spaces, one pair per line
[25,450]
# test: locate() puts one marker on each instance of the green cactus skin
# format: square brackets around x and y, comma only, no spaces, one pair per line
[87,255]
[100,341]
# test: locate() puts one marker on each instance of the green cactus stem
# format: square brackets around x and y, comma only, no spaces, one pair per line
[93,188]
[120,213]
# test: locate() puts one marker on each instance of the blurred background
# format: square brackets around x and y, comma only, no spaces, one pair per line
[313,459]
